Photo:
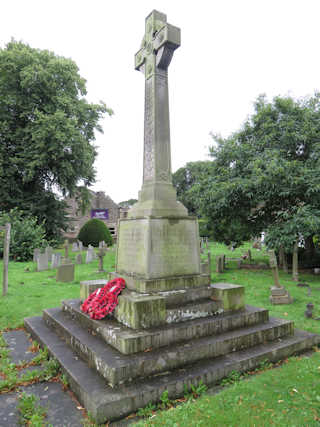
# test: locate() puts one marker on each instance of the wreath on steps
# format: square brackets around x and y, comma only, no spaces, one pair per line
[104,300]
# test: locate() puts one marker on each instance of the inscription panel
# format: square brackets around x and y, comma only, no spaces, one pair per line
[132,247]
[173,248]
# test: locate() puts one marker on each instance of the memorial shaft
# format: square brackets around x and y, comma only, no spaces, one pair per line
[157,196]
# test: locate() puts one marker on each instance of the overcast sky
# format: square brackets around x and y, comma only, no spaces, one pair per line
[231,51]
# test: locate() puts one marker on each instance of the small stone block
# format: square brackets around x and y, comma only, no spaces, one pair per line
[281,299]
[230,296]
[275,291]
[65,273]
[138,311]
[89,286]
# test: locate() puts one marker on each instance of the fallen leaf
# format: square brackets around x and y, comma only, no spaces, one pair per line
[280,401]
[296,391]
[285,314]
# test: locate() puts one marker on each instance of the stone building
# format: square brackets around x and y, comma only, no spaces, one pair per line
[102,207]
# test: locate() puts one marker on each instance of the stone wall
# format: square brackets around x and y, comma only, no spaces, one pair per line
[99,200]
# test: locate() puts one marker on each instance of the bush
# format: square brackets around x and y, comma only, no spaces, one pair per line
[25,235]
[93,232]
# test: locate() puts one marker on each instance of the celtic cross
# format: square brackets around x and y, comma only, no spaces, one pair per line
[159,42]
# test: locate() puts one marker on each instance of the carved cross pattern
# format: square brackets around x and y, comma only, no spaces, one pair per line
[160,41]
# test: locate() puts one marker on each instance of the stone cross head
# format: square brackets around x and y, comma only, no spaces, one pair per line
[158,44]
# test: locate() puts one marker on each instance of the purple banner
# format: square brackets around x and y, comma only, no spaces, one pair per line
[99,213]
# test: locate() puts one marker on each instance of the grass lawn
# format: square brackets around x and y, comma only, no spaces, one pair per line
[288,396]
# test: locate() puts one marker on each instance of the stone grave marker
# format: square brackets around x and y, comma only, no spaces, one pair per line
[66,249]
[89,256]
[219,264]
[6,251]
[80,245]
[36,252]
[79,259]
[101,255]
[42,262]
[49,252]
[65,273]
[279,295]
[56,260]
[75,247]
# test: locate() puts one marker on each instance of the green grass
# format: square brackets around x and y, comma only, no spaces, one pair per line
[29,292]
[287,396]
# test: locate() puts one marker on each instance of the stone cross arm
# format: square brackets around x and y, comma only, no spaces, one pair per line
[160,41]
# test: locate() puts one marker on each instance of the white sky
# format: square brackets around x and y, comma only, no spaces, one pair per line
[231,51]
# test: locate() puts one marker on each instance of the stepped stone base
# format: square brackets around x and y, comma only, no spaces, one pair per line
[107,403]
[161,341]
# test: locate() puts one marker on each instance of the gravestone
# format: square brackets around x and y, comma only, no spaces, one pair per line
[49,252]
[6,252]
[102,244]
[101,255]
[66,249]
[36,252]
[279,295]
[42,262]
[56,260]
[79,259]
[80,245]
[65,273]
[89,256]
[75,247]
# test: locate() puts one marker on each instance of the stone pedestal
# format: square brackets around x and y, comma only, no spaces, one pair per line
[280,296]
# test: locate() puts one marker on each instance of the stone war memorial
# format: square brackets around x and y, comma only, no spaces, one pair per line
[172,328]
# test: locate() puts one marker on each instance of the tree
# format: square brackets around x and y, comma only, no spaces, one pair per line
[46,133]
[185,178]
[127,203]
[265,177]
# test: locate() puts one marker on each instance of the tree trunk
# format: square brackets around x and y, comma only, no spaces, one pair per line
[281,256]
[295,274]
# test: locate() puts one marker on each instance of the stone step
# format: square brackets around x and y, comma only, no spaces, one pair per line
[117,368]
[107,404]
[129,341]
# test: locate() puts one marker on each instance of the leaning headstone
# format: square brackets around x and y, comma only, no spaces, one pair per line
[36,252]
[279,295]
[65,273]
[42,262]
[79,259]
[49,252]
[56,260]
[75,247]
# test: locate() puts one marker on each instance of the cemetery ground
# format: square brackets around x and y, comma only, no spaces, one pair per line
[287,396]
